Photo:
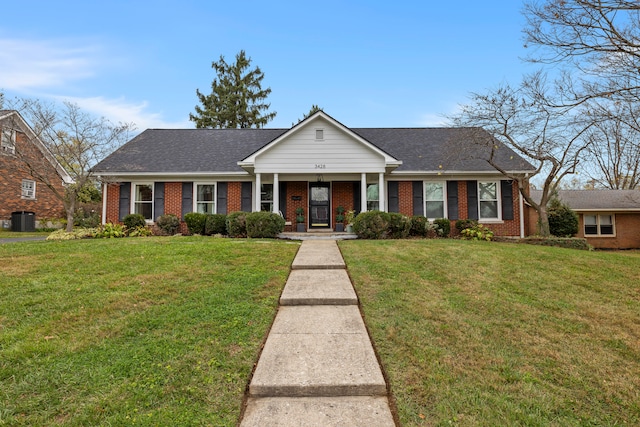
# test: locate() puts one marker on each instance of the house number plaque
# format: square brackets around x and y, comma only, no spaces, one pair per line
[321,166]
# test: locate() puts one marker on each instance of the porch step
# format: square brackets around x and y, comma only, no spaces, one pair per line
[318,235]
[318,287]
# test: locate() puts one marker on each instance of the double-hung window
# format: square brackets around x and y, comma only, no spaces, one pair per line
[266,197]
[28,189]
[143,201]
[373,197]
[205,198]
[488,198]
[599,225]
[434,200]
[8,141]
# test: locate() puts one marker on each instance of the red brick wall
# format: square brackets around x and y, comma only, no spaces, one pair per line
[234,197]
[341,195]
[297,188]
[113,203]
[13,171]
[405,197]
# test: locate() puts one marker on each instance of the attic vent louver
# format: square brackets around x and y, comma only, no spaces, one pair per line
[319,134]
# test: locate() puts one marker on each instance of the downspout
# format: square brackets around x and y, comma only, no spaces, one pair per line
[521,215]
[104,203]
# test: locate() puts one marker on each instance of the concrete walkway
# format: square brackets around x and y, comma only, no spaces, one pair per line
[318,367]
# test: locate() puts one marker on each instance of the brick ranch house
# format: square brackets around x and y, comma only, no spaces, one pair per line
[19,189]
[608,219]
[318,165]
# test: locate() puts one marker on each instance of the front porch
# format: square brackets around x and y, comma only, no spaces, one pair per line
[326,234]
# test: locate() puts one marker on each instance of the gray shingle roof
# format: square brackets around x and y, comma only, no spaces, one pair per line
[583,200]
[219,150]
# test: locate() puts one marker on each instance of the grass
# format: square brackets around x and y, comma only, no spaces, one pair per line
[148,331]
[8,234]
[479,333]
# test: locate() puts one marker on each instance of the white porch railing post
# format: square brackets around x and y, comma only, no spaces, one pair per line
[258,194]
[276,194]
[363,192]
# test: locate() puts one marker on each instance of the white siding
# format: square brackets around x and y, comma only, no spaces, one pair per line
[336,153]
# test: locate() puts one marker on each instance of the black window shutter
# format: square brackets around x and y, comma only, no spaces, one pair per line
[357,199]
[125,200]
[221,200]
[282,200]
[394,203]
[452,200]
[158,199]
[245,204]
[418,205]
[187,198]
[472,199]
[506,188]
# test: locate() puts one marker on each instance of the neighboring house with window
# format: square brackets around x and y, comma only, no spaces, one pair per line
[19,189]
[317,165]
[608,219]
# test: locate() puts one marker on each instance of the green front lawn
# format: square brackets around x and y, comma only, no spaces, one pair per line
[138,331]
[480,333]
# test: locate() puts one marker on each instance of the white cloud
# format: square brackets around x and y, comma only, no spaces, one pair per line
[432,120]
[33,64]
[120,110]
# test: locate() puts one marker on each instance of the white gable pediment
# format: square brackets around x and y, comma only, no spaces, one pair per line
[319,144]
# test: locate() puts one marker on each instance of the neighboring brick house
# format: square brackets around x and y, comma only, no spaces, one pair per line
[318,165]
[20,190]
[608,219]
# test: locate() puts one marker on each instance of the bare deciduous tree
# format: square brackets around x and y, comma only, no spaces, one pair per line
[76,139]
[526,119]
[615,145]
[598,41]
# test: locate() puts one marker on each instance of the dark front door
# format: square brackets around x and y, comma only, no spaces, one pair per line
[319,209]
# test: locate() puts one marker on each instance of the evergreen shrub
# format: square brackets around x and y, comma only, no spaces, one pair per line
[462,224]
[419,226]
[399,226]
[195,222]
[237,224]
[563,222]
[264,224]
[372,225]
[169,224]
[134,220]
[442,227]
[215,224]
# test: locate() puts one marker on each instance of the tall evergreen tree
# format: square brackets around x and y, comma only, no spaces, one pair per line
[236,99]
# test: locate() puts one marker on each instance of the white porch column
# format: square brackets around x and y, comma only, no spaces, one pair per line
[363,192]
[256,208]
[276,194]
[381,194]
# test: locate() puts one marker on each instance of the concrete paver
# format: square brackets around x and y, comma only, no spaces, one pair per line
[318,254]
[318,367]
[352,411]
[309,287]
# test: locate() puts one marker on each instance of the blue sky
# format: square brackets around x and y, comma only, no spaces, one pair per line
[367,63]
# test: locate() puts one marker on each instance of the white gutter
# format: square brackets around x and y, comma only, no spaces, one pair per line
[521,202]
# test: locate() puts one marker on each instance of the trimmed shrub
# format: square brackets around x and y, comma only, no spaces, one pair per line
[372,225]
[419,226]
[477,232]
[442,227]
[195,222]
[560,242]
[169,224]
[399,226]
[463,224]
[264,224]
[77,233]
[563,222]
[215,224]
[237,224]
[134,220]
